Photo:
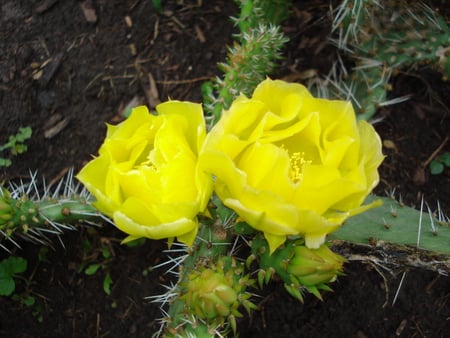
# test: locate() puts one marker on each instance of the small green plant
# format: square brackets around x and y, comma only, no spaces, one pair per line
[16,145]
[438,165]
[157,5]
[9,268]
[96,259]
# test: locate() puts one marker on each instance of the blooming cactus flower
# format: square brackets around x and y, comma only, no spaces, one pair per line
[146,177]
[291,164]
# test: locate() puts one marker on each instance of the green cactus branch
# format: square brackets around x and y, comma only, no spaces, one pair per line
[211,289]
[252,57]
[27,215]
[254,12]
[249,62]
[381,38]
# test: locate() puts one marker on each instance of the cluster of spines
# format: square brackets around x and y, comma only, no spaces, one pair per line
[424,231]
[210,308]
[253,56]
[248,62]
[255,12]
[25,213]
[380,38]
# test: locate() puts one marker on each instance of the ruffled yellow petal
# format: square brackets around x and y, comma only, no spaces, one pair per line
[292,164]
[147,176]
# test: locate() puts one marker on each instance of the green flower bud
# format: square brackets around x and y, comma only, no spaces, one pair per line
[215,293]
[298,266]
[5,207]
[210,293]
[6,210]
[312,267]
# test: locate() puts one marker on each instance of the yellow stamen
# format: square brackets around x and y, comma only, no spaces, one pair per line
[296,167]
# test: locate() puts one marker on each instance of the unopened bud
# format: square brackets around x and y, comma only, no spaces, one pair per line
[215,293]
[315,266]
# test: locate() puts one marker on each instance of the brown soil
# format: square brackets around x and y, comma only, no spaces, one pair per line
[65,77]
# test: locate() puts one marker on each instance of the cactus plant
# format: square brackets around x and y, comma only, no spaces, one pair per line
[27,214]
[381,38]
[212,286]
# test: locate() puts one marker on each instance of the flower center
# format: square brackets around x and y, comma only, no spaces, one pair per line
[296,166]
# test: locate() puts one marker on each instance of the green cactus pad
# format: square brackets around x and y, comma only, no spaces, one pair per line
[395,223]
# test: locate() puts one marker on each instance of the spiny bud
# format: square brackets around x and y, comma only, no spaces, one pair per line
[215,293]
[298,266]
[312,267]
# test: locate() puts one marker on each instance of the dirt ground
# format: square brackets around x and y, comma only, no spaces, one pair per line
[67,67]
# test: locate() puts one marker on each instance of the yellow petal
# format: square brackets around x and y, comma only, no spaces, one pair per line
[274,241]
[191,124]
[267,168]
[135,219]
[283,98]
[314,241]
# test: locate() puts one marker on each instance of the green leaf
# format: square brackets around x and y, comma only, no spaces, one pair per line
[106,253]
[92,269]
[7,286]
[445,158]
[28,301]
[136,242]
[19,149]
[157,5]
[107,284]
[207,89]
[24,134]
[436,167]
[13,265]
[4,162]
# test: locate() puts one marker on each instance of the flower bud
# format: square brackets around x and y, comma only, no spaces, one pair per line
[210,294]
[215,293]
[313,267]
[6,209]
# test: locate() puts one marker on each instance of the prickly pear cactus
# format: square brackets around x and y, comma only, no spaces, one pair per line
[394,222]
[26,214]
[382,37]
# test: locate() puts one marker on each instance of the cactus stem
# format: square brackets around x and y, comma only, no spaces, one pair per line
[29,214]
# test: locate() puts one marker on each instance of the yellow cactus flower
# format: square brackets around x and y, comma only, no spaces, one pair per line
[146,177]
[291,164]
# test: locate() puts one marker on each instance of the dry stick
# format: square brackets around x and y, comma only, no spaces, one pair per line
[434,154]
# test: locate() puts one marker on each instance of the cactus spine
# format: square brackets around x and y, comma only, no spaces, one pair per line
[382,37]
[253,56]
[211,287]
[25,214]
